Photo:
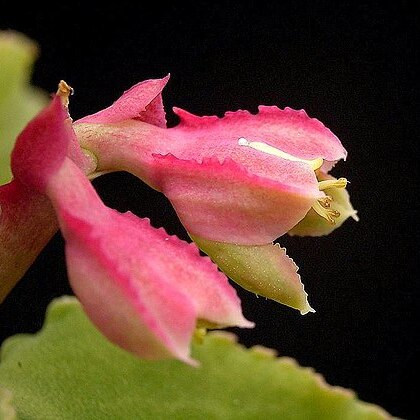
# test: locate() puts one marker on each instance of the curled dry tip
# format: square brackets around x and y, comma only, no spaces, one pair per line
[64,90]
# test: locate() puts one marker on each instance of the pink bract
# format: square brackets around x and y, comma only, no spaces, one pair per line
[143,102]
[220,189]
[145,290]
[27,223]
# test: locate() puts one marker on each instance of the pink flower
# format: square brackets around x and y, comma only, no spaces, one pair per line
[144,290]
[237,183]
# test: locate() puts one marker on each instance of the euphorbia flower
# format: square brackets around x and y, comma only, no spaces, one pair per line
[237,182]
[145,290]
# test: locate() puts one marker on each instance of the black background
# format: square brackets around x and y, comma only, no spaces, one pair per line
[351,65]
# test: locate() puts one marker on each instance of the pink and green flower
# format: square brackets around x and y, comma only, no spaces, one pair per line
[237,184]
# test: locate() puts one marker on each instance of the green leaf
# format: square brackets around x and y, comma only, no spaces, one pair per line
[69,371]
[7,412]
[19,101]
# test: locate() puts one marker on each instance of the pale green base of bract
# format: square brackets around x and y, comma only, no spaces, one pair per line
[69,371]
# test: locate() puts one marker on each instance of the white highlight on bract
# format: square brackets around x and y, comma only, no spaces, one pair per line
[266,148]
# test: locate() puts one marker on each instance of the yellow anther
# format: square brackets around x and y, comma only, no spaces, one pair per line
[64,91]
[323,205]
[325,201]
[271,150]
[332,183]
[328,214]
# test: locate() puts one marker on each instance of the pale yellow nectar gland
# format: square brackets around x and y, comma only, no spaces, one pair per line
[322,206]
